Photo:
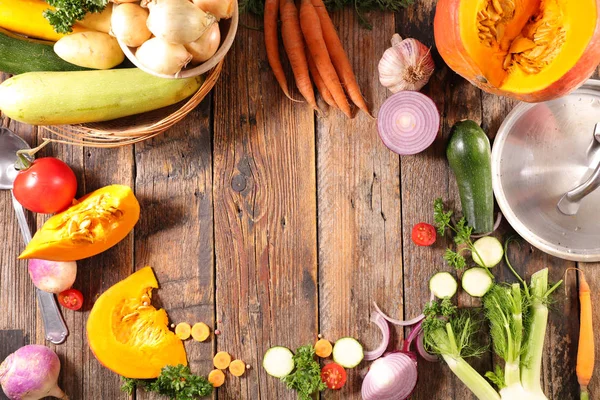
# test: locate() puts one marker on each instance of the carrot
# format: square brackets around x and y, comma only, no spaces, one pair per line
[216,378]
[339,57]
[585,349]
[182,330]
[272,45]
[325,93]
[311,28]
[237,368]
[323,348]
[200,332]
[222,360]
[294,48]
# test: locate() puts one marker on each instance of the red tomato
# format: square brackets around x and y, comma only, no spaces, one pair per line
[71,298]
[423,234]
[47,186]
[334,375]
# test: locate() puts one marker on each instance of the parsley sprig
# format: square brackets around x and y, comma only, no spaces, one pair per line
[306,378]
[462,235]
[68,12]
[176,383]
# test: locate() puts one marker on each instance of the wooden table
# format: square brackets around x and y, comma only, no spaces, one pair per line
[274,225]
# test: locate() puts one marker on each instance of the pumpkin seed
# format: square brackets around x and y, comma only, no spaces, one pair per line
[130,316]
[73,226]
[497,7]
[85,224]
[142,308]
[521,44]
[507,61]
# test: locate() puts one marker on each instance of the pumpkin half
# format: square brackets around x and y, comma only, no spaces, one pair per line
[128,335]
[531,50]
[97,222]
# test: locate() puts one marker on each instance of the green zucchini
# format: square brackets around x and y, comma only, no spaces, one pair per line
[19,55]
[57,98]
[469,155]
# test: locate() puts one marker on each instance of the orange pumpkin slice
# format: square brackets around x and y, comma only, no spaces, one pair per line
[128,335]
[97,222]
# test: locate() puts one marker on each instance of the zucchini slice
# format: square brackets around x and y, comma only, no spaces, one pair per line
[476,281]
[348,352]
[278,361]
[443,285]
[491,251]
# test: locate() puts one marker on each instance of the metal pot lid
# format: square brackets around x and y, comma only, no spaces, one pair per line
[542,152]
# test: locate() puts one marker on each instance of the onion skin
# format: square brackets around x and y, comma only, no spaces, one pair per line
[30,373]
[52,276]
[163,57]
[206,46]
[222,9]
[128,24]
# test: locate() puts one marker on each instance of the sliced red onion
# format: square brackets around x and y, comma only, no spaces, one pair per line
[421,349]
[378,320]
[397,321]
[408,122]
[411,336]
[392,377]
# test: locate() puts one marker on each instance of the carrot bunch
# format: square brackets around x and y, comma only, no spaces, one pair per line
[313,48]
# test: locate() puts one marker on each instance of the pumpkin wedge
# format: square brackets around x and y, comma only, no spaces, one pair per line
[128,335]
[531,50]
[97,222]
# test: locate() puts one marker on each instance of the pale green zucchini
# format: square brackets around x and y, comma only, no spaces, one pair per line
[57,98]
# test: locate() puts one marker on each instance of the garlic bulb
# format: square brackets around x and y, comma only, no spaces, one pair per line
[407,65]
[177,21]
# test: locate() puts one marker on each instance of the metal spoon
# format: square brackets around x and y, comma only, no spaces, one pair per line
[570,202]
[54,325]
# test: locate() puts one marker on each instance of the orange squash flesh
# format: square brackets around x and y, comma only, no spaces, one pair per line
[128,337]
[532,50]
[97,222]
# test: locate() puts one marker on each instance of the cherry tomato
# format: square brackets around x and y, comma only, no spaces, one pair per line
[71,298]
[423,234]
[334,375]
[47,186]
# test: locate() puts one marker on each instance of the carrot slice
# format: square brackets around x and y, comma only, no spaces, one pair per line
[323,348]
[183,330]
[216,378]
[200,332]
[237,368]
[222,360]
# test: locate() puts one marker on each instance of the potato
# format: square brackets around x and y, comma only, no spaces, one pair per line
[96,50]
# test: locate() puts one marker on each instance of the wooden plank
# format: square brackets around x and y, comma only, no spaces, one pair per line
[360,251]
[265,217]
[175,233]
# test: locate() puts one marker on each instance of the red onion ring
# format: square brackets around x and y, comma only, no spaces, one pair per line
[392,377]
[408,122]
[421,349]
[410,322]
[414,332]
[378,320]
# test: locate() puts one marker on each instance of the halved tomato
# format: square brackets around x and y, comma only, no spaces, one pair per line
[334,375]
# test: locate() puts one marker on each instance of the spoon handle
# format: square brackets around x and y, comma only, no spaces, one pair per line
[54,325]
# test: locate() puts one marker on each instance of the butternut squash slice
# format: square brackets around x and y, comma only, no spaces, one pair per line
[128,337]
[532,50]
[99,220]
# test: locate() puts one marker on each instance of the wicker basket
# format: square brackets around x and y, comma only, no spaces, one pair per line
[135,128]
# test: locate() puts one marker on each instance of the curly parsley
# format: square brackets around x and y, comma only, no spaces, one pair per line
[176,383]
[306,378]
[68,12]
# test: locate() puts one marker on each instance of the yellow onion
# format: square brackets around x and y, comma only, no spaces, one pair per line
[222,9]
[128,24]
[177,21]
[206,46]
[163,57]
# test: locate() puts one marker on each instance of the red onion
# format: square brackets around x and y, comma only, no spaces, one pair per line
[378,319]
[411,336]
[397,321]
[408,122]
[392,377]
[421,349]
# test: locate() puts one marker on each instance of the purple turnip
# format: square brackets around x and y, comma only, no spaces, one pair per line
[52,276]
[30,373]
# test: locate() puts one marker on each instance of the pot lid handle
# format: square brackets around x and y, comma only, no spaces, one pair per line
[570,202]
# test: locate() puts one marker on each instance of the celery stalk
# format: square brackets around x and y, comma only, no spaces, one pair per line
[471,378]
